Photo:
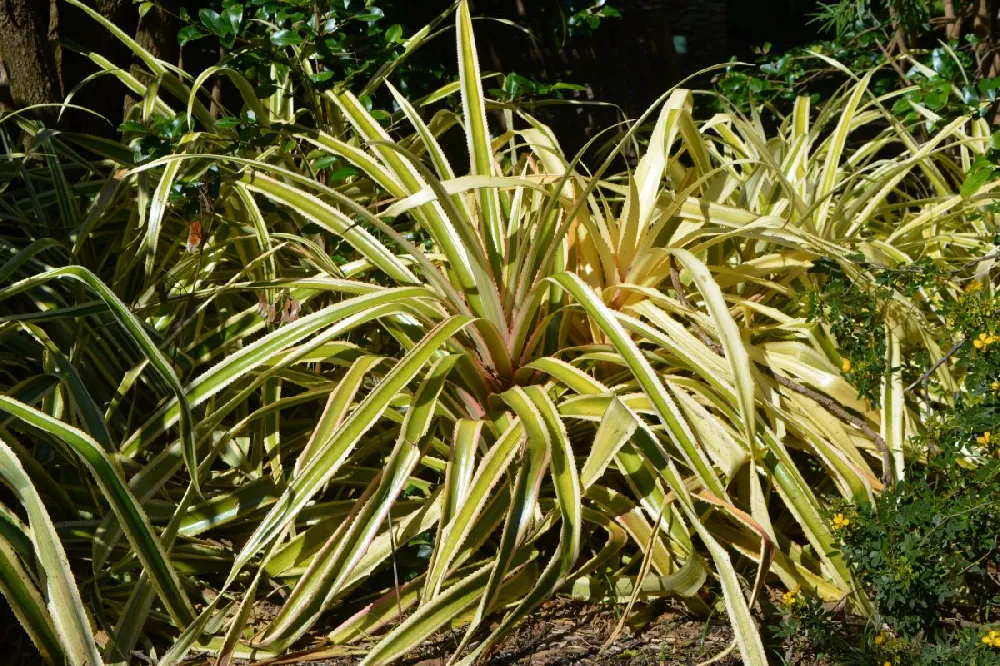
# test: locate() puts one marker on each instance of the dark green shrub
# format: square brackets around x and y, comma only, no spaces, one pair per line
[927,549]
[963,648]
[806,626]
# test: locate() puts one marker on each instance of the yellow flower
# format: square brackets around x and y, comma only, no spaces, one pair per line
[995,386]
[984,340]
[880,639]
[984,438]
[846,365]
[975,285]
[790,598]
[887,664]
[992,639]
[840,521]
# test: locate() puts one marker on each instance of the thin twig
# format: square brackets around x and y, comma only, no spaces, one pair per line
[924,377]
[647,560]
[892,62]
[973,262]
[841,412]
[675,279]
[826,401]
[142,657]
[395,569]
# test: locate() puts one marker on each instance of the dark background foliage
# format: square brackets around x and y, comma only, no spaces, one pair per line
[622,52]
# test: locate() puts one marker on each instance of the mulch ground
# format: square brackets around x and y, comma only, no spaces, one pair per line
[566,632]
[562,632]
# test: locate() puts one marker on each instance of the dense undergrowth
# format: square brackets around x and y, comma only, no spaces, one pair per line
[309,356]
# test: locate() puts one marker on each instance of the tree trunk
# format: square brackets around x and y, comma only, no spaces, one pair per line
[157,31]
[6,102]
[27,56]
[984,27]
[952,26]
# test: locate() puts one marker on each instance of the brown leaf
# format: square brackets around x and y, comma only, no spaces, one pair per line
[194,237]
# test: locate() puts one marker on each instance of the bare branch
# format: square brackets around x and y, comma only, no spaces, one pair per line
[826,401]
[924,377]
